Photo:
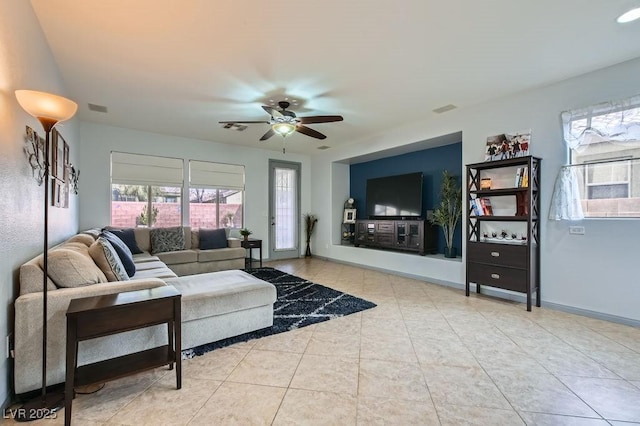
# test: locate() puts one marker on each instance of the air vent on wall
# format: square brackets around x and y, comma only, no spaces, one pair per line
[323,147]
[444,109]
[97,108]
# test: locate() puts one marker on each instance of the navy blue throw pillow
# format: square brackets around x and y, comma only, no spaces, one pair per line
[128,237]
[123,252]
[212,239]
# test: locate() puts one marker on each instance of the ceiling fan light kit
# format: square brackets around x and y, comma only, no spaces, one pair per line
[284,129]
[284,122]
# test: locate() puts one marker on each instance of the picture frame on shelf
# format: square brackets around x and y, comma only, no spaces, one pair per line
[349,216]
[519,143]
[508,145]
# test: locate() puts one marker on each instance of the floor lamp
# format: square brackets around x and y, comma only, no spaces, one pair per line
[50,110]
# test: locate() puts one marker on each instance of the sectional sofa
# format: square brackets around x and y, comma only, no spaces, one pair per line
[218,300]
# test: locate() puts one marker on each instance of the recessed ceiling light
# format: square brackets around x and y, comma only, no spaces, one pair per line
[629,16]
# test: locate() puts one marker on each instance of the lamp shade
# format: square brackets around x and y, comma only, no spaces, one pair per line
[46,107]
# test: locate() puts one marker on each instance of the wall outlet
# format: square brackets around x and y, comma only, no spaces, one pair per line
[576,230]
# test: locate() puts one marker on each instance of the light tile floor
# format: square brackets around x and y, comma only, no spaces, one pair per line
[425,355]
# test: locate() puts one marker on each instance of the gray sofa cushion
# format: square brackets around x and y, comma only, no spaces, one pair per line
[218,293]
[144,257]
[166,239]
[177,257]
[220,254]
[161,273]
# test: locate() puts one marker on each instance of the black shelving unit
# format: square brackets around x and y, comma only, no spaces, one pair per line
[508,264]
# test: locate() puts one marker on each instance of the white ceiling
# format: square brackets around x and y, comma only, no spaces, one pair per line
[178,67]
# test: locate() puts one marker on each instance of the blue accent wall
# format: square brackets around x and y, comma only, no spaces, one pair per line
[431,162]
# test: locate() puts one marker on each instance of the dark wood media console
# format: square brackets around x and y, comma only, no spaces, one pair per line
[408,235]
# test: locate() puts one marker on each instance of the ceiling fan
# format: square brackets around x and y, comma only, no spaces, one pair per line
[285,122]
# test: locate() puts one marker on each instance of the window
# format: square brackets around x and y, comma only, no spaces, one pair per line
[214,208]
[216,195]
[604,142]
[145,191]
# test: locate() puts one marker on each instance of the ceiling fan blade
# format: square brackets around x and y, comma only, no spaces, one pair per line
[320,119]
[272,111]
[309,132]
[267,135]
[242,122]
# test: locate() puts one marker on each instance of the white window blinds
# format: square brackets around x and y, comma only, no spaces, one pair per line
[136,169]
[204,174]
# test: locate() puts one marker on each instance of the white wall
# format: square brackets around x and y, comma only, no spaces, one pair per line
[100,140]
[25,63]
[593,272]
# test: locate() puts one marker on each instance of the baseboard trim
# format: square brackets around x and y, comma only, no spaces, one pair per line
[502,294]
[592,314]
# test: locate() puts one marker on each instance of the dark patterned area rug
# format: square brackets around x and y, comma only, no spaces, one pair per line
[300,303]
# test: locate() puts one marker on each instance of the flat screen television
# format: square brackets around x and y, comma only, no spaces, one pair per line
[395,197]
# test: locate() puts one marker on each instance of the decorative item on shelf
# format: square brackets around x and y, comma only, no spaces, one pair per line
[310,221]
[49,110]
[74,176]
[448,213]
[245,233]
[485,183]
[350,203]
[507,145]
[349,216]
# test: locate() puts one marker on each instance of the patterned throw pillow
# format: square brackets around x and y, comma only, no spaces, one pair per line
[166,239]
[122,251]
[105,256]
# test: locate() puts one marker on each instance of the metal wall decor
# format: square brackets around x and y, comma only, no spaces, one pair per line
[35,155]
[64,176]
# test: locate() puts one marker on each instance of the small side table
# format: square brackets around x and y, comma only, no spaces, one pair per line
[250,244]
[91,317]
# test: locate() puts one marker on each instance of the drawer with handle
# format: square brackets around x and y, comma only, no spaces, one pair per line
[498,276]
[498,254]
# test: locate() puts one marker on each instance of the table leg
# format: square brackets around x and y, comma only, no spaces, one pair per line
[72,356]
[261,255]
[178,341]
[170,329]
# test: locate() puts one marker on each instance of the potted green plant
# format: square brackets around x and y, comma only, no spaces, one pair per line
[448,213]
[310,221]
[245,233]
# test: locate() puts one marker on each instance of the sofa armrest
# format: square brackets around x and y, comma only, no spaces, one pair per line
[233,242]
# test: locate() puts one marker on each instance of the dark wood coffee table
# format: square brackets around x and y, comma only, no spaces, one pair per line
[91,317]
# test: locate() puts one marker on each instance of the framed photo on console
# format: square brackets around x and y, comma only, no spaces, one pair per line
[349,216]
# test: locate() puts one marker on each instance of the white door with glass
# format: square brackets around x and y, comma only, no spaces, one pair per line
[284,210]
